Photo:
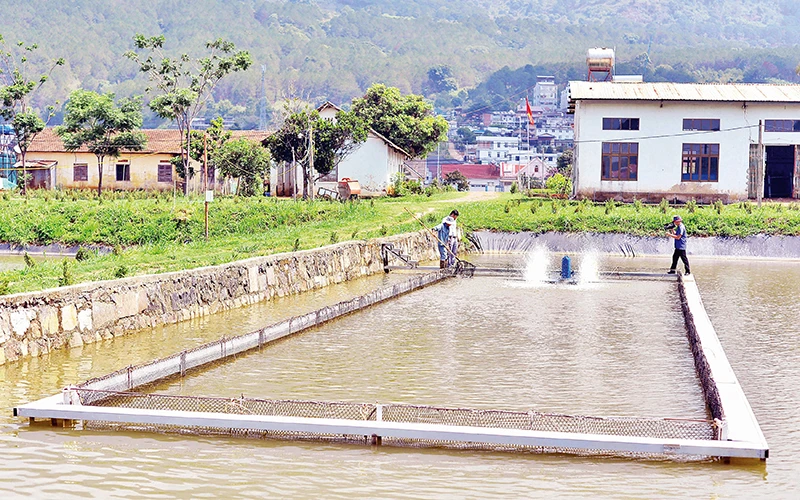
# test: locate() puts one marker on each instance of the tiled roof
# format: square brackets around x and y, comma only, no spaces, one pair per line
[472,170]
[158,140]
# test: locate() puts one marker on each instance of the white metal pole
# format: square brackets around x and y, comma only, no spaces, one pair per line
[760,167]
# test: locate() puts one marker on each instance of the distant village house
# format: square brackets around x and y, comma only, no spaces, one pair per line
[374,164]
[51,166]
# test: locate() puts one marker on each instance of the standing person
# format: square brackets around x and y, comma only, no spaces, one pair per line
[452,240]
[680,245]
[443,235]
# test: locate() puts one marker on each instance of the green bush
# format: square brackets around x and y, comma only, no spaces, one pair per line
[66,278]
[121,271]
[559,185]
[82,254]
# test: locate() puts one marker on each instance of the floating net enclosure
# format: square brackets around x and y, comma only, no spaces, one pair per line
[109,402]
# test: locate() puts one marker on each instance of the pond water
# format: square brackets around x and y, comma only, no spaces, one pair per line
[484,342]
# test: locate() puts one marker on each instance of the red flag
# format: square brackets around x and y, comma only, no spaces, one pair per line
[529,111]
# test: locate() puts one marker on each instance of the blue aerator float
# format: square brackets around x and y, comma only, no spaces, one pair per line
[566,268]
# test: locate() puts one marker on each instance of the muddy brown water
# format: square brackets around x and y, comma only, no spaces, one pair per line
[606,349]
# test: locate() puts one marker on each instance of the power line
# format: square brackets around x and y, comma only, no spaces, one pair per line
[504,99]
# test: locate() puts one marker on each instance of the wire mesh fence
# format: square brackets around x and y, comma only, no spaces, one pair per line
[701,364]
[115,390]
[398,413]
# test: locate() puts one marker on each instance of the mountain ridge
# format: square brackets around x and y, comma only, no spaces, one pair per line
[334,49]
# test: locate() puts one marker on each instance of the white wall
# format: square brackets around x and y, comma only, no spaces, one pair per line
[659,168]
[373,164]
[485,185]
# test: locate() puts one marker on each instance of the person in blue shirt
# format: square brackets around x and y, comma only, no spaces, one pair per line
[680,245]
[443,234]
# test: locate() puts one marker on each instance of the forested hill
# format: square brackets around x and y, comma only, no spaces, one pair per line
[334,49]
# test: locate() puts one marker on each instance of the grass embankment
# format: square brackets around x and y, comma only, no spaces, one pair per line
[159,234]
[156,235]
[735,220]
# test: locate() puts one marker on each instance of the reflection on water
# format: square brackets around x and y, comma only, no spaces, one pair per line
[475,350]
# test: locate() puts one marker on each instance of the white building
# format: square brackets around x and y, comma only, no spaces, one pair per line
[495,149]
[507,119]
[545,93]
[374,164]
[684,141]
[557,125]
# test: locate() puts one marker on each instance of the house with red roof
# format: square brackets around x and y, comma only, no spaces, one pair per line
[481,177]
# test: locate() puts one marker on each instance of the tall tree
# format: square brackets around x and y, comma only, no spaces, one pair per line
[185,84]
[246,160]
[16,88]
[106,129]
[457,178]
[332,141]
[408,121]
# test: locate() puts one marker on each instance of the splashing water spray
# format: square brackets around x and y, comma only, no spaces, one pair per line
[536,265]
[590,269]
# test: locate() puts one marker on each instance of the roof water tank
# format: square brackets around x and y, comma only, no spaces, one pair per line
[600,59]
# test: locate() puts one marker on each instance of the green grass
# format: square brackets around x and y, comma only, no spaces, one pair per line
[155,234]
[736,220]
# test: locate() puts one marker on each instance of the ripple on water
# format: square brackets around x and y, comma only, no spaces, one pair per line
[508,347]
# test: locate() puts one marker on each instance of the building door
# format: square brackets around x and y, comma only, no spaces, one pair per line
[40,178]
[779,172]
[752,173]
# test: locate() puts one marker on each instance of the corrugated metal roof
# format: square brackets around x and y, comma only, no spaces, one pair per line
[665,91]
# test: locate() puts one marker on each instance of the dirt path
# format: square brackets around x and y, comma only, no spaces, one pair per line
[474,196]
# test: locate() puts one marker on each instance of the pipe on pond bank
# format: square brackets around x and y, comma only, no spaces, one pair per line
[55,249]
[765,246]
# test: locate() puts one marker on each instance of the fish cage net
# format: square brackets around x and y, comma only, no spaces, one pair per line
[464,269]
[117,390]
[690,429]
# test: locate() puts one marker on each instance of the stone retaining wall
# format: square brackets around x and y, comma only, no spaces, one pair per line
[32,324]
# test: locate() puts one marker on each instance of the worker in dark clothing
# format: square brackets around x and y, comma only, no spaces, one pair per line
[679,235]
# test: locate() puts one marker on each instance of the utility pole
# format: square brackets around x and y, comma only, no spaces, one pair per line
[205,180]
[311,157]
[760,167]
[262,113]
[294,175]
[438,166]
